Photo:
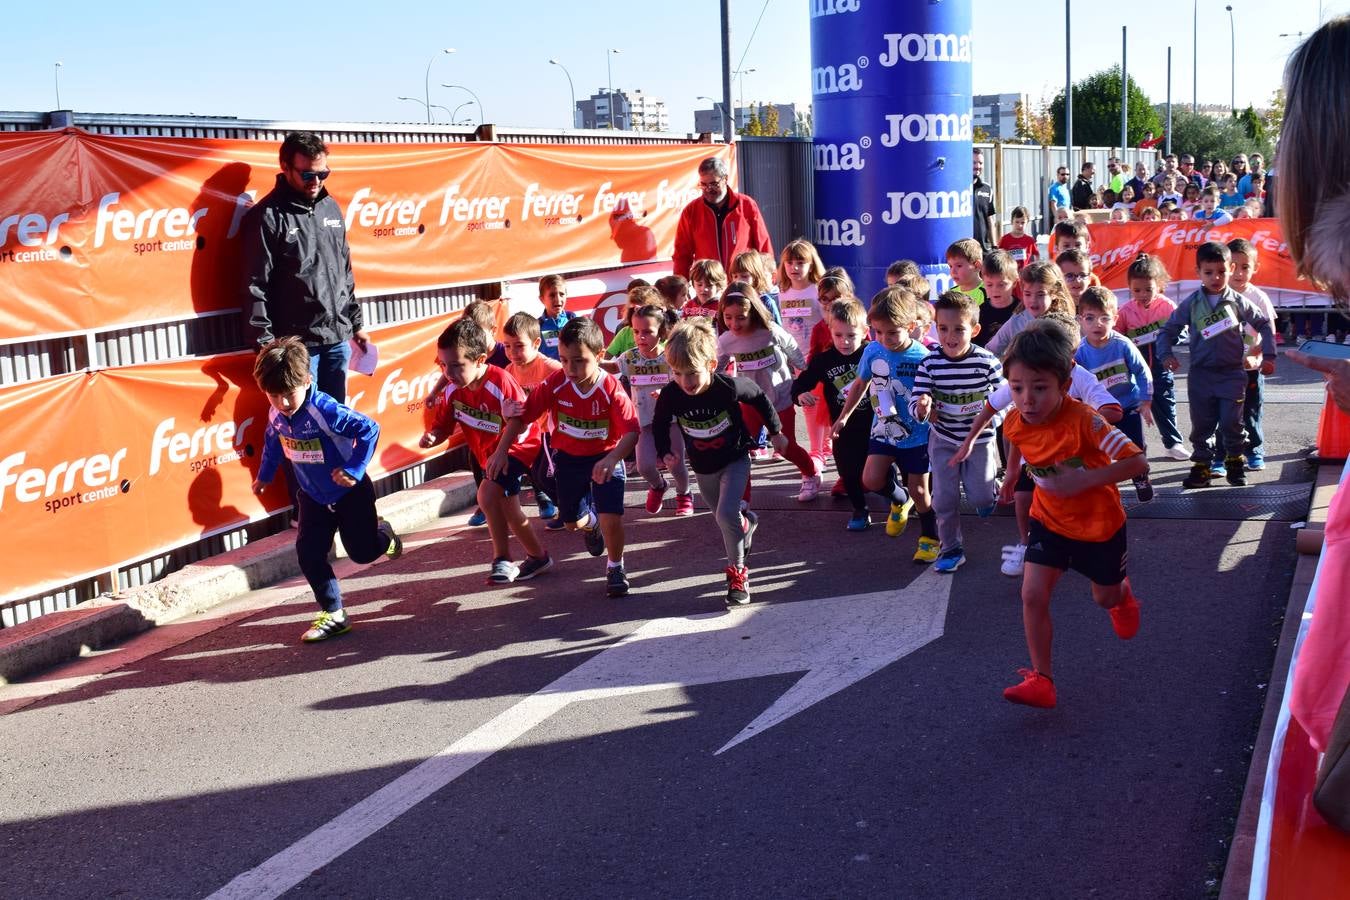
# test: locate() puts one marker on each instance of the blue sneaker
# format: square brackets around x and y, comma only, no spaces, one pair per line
[1217,469]
[1256,461]
[478,519]
[985,512]
[950,561]
[555,524]
[859,522]
[547,508]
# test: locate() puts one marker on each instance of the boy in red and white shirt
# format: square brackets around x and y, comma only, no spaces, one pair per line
[474,402]
[594,428]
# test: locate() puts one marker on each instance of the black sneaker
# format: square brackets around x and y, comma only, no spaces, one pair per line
[395,548]
[1143,489]
[532,566]
[595,541]
[749,523]
[1237,471]
[327,625]
[1199,476]
[616,581]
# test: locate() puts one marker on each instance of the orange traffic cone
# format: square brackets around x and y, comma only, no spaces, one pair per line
[1333,431]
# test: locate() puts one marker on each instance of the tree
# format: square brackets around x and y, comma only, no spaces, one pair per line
[753,127]
[1205,137]
[1274,117]
[979,135]
[1035,125]
[1251,124]
[1096,112]
[768,115]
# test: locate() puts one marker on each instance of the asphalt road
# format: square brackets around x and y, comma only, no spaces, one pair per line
[219,748]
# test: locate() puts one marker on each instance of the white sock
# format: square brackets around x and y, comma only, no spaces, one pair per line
[613,565]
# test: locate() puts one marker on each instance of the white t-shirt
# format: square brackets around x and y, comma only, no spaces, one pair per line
[1083,386]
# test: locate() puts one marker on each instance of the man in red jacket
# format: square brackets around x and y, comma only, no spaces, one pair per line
[720,224]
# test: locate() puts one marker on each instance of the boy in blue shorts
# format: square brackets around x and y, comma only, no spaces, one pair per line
[595,428]
[329,446]
[886,375]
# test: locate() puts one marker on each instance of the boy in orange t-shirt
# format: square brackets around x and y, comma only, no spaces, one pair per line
[1077,521]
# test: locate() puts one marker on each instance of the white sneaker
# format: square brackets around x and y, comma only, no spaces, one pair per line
[810,489]
[1014,556]
[1176,451]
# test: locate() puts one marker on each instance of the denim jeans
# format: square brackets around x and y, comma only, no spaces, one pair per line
[328,368]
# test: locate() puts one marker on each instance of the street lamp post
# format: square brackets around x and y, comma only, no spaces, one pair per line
[454,116]
[1195,56]
[56,74]
[429,108]
[426,83]
[481,118]
[1232,62]
[609,96]
[740,86]
[721,111]
[570,89]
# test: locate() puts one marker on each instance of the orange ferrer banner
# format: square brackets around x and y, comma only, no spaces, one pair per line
[99,232]
[101,469]
[1114,247]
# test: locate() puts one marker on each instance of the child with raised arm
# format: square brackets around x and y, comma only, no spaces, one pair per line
[1121,369]
[709,280]
[708,409]
[646,372]
[1216,386]
[1077,521]
[329,446]
[1017,484]
[1141,319]
[886,377]
[767,355]
[835,368]
[595,427]
[529,367]
[475,406]
[950,388]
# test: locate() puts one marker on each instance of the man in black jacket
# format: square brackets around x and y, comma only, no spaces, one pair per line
[1082,188]
[299,267]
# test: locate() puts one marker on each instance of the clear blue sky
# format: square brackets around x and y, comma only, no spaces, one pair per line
[348,61]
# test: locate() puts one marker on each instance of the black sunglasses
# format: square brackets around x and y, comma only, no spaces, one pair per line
[307,177]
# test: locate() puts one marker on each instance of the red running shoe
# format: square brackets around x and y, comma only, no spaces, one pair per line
[684,504]
[838,489]
[1035,690]
[1125,618]
[655,499]
[738,586]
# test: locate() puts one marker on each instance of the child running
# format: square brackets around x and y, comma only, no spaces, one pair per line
[756,269]
[1017,243]
[708,409]
[1245,264]
[965,259]
[475,405]
[553,295]
[1076,267]
[1141,320]
[1043,291]
[709,279]
[799,273]
[1120,368]
[1217,383]
[886,375]
[647,373]
[766,354]
[950,388]
[1000,277]
[835,368]
[595,428]
[1077,521]
[529,367]
[329,446]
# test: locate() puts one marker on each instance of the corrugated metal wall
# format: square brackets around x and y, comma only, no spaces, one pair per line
[1023,173]
[779,173]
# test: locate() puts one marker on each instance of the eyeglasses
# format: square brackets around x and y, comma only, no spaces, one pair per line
[307,177]
[710,185]
[1074,276]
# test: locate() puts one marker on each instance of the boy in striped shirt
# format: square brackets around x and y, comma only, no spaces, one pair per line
[950,388]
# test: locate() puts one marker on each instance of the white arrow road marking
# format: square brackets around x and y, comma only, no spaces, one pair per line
[835,641]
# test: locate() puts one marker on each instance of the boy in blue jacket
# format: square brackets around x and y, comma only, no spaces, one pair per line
[329,446]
